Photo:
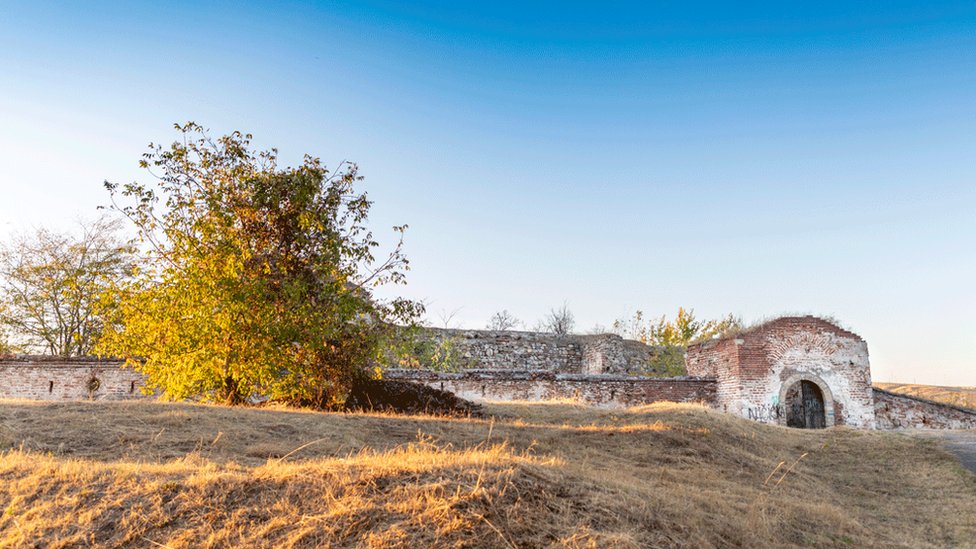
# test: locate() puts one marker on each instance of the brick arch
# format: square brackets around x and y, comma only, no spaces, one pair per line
[828,395]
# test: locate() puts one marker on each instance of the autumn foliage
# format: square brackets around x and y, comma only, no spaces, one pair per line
[256,281]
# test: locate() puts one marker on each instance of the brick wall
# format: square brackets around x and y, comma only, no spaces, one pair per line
[755,369]
[50,378]
[895,411]
[718,359]
[607,391]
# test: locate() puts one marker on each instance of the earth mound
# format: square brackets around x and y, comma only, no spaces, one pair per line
[407,397]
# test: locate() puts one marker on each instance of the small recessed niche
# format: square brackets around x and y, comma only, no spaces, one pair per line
[50,386]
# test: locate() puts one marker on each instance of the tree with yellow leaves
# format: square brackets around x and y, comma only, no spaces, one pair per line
[257,278]
[670,337]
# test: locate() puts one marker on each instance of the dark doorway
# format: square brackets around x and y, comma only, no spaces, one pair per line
[805,406]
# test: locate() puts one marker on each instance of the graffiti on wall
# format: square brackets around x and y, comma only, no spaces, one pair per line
[767,413]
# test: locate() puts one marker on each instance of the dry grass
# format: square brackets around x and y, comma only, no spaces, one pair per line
[174,475]
[957,396]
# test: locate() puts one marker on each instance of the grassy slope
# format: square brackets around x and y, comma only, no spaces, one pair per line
[957,396]
[151,474]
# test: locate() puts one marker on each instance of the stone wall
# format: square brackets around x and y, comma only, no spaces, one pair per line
[896,411]
[52,378]
[601,390]
[580,354]
[754,380]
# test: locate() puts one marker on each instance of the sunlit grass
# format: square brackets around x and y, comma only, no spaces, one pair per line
[176,475]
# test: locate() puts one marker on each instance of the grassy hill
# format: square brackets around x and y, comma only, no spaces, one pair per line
[175,475]
[957,396]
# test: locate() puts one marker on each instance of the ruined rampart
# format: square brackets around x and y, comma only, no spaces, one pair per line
[579,354]
[602,390]
[897,411]
[54,378]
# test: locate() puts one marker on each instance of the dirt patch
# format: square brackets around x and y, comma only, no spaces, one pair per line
[406,397]
[961,444]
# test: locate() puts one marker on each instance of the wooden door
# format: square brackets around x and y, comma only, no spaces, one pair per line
[805,406]
[813,406]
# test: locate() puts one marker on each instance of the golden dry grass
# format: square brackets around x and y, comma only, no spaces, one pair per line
[957,396]
[177,475]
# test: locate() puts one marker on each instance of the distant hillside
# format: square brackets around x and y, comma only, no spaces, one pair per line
[150,474]
[957,396]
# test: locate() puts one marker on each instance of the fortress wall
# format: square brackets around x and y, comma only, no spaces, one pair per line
[510,350]
[606,391]
[896,411]
[53,378]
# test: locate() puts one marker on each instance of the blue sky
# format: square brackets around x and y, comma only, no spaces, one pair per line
[748,158]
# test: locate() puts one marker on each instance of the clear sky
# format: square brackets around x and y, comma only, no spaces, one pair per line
[757,159]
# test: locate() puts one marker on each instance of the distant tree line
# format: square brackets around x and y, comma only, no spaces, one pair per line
[682,330]
[669,337]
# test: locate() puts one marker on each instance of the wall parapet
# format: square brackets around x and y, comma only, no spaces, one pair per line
[549,375]
[898,411]
[925,400]
[601,390]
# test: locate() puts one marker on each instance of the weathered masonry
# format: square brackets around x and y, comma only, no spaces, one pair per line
[532,351]
[609,391]
[895,411]
[55,378]
[795,371]
[792,371]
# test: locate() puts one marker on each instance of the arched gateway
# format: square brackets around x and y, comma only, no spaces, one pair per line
[807,402]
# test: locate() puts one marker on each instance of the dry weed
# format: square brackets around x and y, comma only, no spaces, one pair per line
[554,474]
